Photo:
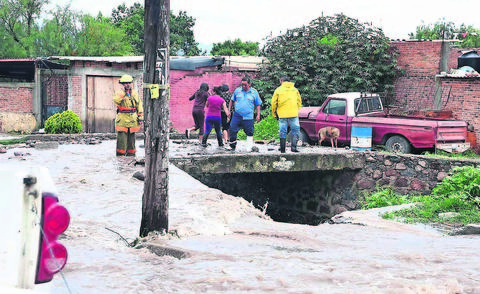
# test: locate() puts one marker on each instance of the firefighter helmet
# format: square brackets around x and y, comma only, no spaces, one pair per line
[126,79]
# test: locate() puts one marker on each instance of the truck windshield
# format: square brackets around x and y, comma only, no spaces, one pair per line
[368,104]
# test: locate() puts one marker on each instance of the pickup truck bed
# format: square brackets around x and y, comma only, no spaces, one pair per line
[397,133]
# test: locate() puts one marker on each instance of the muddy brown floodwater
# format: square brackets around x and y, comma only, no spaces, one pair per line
[230,246]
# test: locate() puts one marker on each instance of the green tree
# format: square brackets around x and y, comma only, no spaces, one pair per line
[18,24]
[99,37]
[467,36]
[181,34]
[131,20]
[58,34]
[442,29]
[332,54]
[470,37]
[235,48]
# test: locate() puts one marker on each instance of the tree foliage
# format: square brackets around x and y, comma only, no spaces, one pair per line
[17,23]
[332,54]
[440,30]
[181,34]
[99,37]
[235,48]
[131,20]
[59,34]
[468,36]
[28,30]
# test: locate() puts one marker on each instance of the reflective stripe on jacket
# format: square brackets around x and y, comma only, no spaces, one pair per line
[130,111]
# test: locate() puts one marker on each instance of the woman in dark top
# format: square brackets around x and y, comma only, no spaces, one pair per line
[198,111]
[227,96]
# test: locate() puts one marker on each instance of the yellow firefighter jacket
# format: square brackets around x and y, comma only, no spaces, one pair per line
[129,111]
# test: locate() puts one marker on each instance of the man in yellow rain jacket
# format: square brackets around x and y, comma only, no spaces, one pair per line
[286,102]
[129,116]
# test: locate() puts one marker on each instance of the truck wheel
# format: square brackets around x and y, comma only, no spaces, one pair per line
[398,144]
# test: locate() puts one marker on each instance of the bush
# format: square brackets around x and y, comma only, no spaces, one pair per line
[459,192]
[266,129]
[383,197]
[66,122]
[463,182]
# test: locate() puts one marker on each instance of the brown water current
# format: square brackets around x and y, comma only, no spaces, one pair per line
[229,246]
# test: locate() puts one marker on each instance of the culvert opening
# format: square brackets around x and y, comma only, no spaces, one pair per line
[304,197]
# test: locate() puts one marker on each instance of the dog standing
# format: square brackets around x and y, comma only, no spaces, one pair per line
[328,132]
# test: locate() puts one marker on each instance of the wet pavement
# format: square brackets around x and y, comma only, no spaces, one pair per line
[229,246]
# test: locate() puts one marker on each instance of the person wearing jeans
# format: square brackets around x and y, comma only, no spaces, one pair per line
[286,102]
[214,106]
[246,100]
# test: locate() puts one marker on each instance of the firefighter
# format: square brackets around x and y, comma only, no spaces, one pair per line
[129,116]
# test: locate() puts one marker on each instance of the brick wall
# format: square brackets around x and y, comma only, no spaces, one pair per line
[185,83]
[76,104]
[56,87]
[16,97]
[419,59]
[464,102]
[422,82]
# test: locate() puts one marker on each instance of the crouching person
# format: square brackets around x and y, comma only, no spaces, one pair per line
[129,116]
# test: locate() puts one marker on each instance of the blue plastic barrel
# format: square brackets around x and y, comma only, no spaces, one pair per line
[361,138]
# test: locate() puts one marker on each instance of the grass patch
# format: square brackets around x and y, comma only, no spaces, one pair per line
[429,212]
[458,193]
[13,141]
[386,196]
[469,154]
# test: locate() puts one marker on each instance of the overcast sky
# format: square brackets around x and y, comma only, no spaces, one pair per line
[253,20]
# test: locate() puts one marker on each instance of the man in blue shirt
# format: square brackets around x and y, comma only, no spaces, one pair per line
[245,99]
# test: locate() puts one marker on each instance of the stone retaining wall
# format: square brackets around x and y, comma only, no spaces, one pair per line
[406,173]
[314,187]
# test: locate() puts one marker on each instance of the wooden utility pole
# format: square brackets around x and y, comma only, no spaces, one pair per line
[156,77]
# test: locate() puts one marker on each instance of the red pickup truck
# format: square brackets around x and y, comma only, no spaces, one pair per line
[400,134]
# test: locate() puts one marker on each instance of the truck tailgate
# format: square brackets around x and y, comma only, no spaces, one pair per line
[451,131]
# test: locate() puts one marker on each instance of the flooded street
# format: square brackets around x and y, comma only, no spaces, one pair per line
[228,245]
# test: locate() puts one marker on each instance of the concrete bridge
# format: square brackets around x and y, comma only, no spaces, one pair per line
[311,187]
[307,187]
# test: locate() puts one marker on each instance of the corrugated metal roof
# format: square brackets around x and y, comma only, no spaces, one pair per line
[24,69]
[192,63]
[18,59]
[113,59]
[176,63]
[249,63]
